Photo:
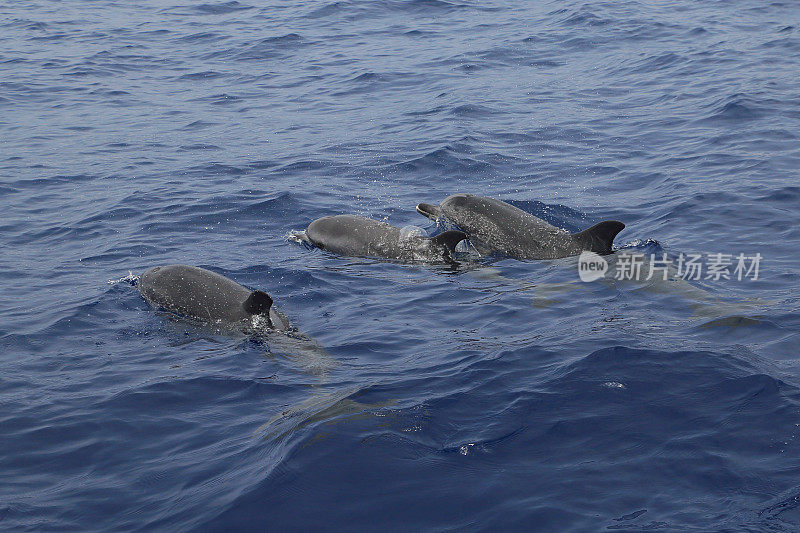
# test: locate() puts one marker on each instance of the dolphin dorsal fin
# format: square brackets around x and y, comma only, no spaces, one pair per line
[431,211]
[600,237]
[258,303]
[449,239]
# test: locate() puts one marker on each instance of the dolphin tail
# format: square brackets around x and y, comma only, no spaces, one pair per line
[258,303]
[449,239]
[600,237]
[431,211]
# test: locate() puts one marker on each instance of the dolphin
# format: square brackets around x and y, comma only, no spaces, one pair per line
[493,226]
[200,293]
[206,295]
[358,236]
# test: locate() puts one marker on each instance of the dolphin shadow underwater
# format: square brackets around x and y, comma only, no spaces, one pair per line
[496,227]
[357,236]
[708,307]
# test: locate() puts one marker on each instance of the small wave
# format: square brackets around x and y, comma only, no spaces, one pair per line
[200,37]
[220,99]
[221,8]
[473,111]
[198,147]
[584,16]
[109,92]
[735,108]
[300,166]
[370,81]
[428,5]
[289,38]
[270,47]
[659,62]
[426,112]
[198,125]
[368,76]
[736,111]
[731,322]
[439,160]
[204,75]
[420,33]
[789,194]
[328,10]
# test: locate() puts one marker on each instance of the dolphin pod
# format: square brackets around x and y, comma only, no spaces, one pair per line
[202,294]
[205,295]
[491,225]
[494,226]
[358,236]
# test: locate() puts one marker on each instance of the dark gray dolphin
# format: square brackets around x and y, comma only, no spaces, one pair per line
[358,236]
[493,226]
[200,293]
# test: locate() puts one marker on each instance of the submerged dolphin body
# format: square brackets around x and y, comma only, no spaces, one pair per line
[200,293]
[358,236]
[493,226]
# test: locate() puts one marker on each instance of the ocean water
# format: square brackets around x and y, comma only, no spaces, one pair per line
[497,394]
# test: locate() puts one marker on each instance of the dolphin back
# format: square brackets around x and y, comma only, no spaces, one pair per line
[353,235]
[201,293]
[357,236]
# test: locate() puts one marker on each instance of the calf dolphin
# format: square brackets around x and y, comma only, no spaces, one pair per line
[493,226]
[200,293]
[359,236]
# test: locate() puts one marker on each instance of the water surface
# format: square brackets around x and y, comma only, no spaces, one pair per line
[501,394]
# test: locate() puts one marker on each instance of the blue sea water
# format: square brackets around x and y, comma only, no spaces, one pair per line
[496,395]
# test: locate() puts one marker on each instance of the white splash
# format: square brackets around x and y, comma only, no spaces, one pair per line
[130,279]
[410,232]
